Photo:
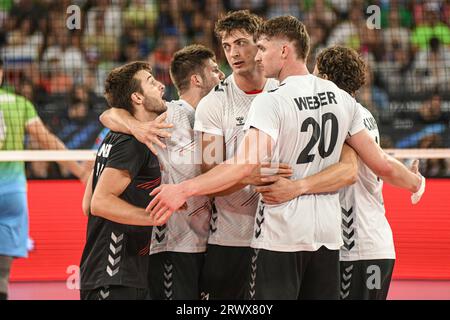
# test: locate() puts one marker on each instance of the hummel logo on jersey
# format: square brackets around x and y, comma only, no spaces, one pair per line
[104,150]
[219,87]
[273,90]
[240,121]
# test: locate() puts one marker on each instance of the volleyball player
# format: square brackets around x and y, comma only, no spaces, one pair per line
[368,248]
[178,247]
[17,117]
[114,264]
[305,122]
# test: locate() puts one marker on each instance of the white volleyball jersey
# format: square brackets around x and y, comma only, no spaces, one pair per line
[186,230]
[365,229]
[308,119]
[223,112]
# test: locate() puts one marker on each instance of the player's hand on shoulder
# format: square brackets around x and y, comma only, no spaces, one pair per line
[279,191]
[150,132]
[265,170]
[415,197]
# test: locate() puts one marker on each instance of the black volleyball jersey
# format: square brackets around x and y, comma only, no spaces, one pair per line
[114,253]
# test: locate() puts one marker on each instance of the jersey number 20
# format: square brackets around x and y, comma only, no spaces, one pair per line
[317,135]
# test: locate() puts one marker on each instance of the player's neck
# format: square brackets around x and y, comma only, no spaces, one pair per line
[192,97]
[144,116]
[252,81]
[294,68]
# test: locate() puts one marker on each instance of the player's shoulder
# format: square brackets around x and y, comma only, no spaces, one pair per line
[124,140]
[279,88]
[367,114]
[179,108]
[214,100]
[272,84]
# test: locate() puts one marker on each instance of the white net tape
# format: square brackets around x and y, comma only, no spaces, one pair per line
[86,155]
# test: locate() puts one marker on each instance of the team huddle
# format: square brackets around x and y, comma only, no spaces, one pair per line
[266,184]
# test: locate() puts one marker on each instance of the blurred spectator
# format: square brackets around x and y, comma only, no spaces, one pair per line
[64,57]
[23,43]
[395,36]
[282,7]
[429,26]
[347,32]
[396,72]
[318,34]
[141,45]
[371,96]
[402,9]
[256,6]
[431,111]
[160,60]
[108,15]
[322,13]
[83,94]
[56,80]
[433,167]
[142,14]
[99,43]
[432,66]
[51,65]
[26,89]
[341,6]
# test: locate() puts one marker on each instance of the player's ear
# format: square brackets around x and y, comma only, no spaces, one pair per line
[284,51]
[196,80]
[136,97]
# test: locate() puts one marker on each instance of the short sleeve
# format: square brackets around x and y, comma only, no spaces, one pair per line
[264,115]
[128,154]
[208,115]
[30,112]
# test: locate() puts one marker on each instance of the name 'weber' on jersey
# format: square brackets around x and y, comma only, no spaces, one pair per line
[308,119]
[223,112]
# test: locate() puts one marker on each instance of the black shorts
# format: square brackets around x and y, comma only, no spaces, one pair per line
[226,273]
[303,275]
[115,293]
[366,279]
[175,276]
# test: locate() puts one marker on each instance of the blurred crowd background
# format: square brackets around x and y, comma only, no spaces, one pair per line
[62,71]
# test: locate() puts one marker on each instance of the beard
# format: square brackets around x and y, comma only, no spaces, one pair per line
[155,105]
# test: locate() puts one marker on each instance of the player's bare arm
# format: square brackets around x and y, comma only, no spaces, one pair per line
[120,120]
[333,178]
[255,147]
[386,167]
[47,140]
[107,204]
[212,151]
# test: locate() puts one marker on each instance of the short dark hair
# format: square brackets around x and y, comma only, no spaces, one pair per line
[288,27]
[237,20]
[344,66]
[121,84]
[186,62]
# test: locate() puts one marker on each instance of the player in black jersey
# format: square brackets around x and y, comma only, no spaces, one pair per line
[114,264]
